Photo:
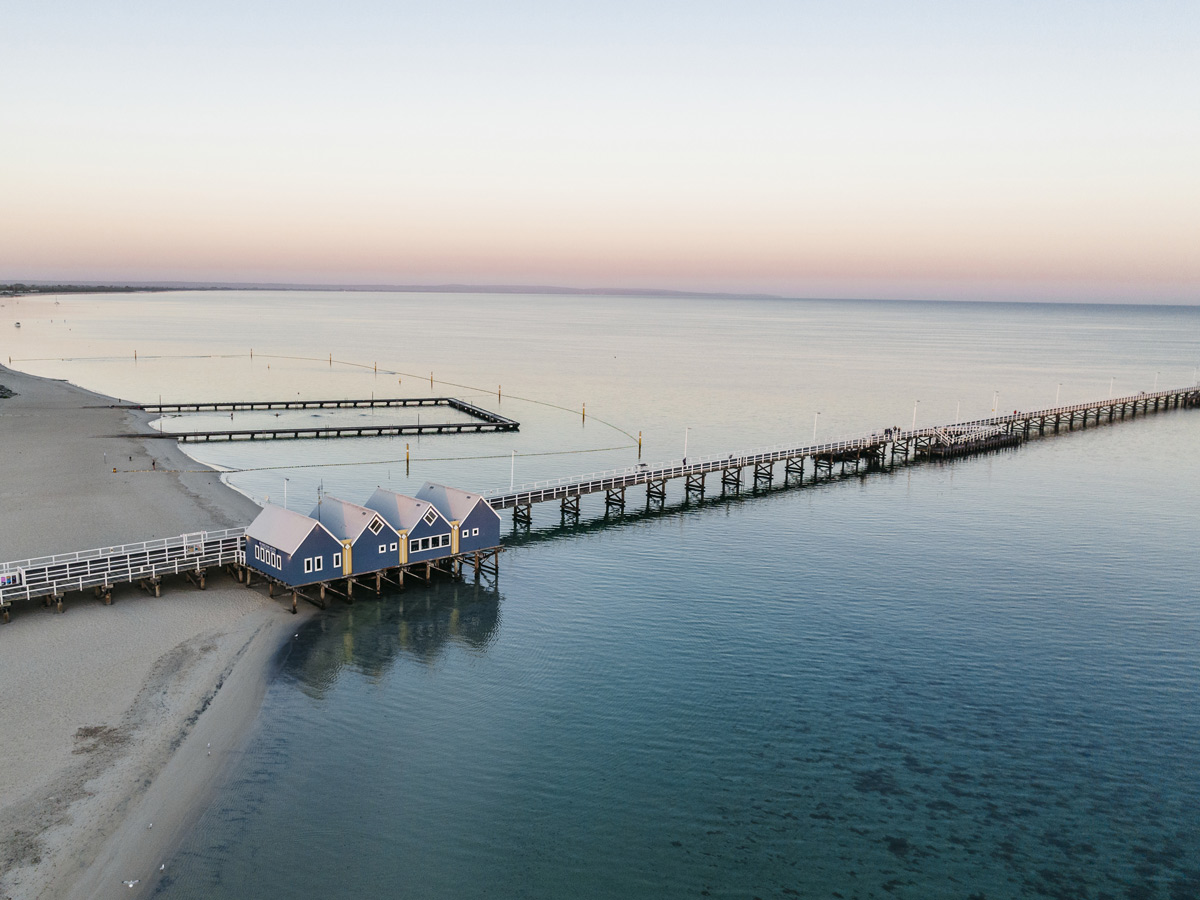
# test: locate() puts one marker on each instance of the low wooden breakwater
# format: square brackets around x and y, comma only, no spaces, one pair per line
[485,420]
[871,452]
[331,431]
[248,405]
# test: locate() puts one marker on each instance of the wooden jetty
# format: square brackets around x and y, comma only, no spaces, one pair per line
[872,452]
[192,555]
[485,420]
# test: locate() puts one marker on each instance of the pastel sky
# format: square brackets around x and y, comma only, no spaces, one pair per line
[1021,150]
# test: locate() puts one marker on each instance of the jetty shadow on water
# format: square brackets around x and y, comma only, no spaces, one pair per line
[369,635]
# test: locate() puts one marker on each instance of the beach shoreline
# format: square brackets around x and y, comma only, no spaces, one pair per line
[119,721]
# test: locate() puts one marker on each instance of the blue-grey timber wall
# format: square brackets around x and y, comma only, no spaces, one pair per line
[366,555]
[318,545]
[487,520]
[438,547]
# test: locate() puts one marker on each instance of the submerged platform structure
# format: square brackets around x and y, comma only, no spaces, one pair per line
[483,420]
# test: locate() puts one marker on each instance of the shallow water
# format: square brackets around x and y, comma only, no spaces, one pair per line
[973,679]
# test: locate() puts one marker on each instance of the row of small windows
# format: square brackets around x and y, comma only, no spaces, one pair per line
[312,564]
[438,540]
[268,556]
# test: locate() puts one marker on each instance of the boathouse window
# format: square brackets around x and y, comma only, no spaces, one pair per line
[395,547]
[466,532]
[430,517]
[337,561]
[376,526]
[383,548]
[445,540]
[474,532]
[414,546]
[308,564]
[319,563]
[425,543]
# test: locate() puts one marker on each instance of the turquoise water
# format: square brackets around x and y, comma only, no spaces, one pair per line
[976,679]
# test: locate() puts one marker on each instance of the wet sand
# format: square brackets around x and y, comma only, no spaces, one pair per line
[110,711]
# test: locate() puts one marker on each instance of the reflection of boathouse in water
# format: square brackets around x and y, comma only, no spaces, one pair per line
[370,635]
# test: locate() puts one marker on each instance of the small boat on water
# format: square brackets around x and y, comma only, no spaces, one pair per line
[17,325]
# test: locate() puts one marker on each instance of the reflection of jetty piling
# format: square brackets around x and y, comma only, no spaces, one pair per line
[873,452]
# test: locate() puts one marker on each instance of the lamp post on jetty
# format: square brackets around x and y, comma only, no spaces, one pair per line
[815,415]
[512,472]
[285,482]
[914,422]
[685,437]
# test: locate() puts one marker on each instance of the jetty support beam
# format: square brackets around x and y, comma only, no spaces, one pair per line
[764,474]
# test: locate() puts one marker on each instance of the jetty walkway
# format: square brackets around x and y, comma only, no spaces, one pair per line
[144,564]
[875,451]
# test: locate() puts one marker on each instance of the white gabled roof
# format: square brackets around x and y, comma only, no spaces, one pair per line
[402,512]
[346,521]
[283,529]
[456,504]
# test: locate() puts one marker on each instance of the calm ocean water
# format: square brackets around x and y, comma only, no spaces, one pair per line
[966,680]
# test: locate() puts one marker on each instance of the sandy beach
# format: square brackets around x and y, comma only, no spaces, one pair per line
[118,721]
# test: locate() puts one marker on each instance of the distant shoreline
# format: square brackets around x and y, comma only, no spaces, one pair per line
[17,290]
[25,288]
[22,289]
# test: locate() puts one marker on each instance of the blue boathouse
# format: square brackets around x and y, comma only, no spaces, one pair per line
[369,543]
[425,534]
[477,525]
[292,548]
